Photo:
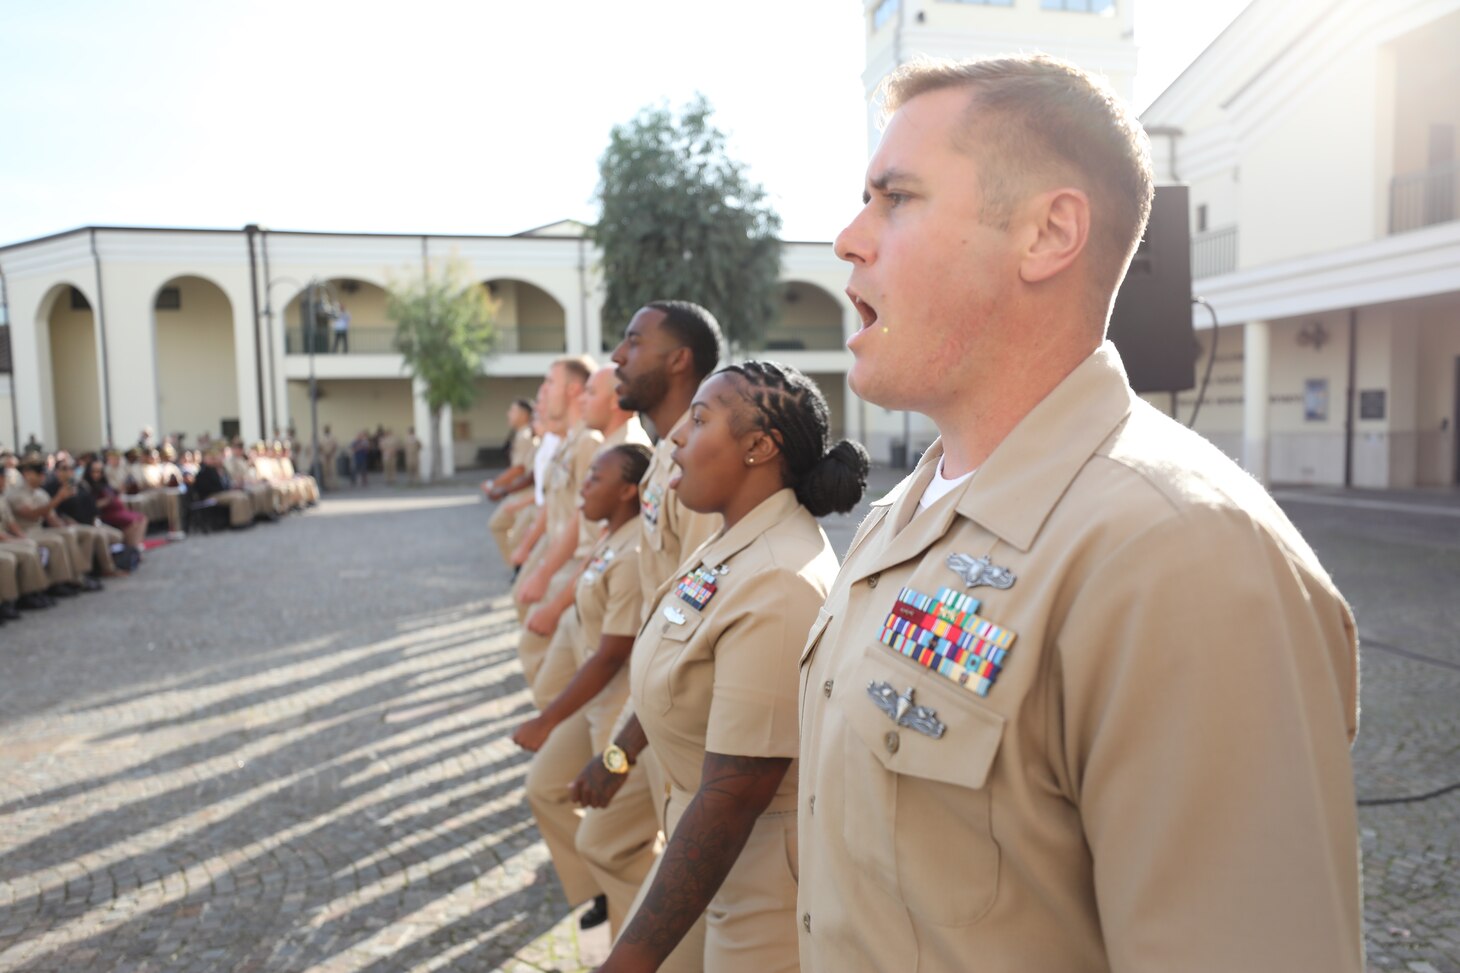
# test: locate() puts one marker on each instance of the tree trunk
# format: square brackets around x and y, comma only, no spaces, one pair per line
[436,445]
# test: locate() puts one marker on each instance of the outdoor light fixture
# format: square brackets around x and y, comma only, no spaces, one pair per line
[1314,334]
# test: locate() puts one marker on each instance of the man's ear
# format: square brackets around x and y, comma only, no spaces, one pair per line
[1058,225]
[680,361]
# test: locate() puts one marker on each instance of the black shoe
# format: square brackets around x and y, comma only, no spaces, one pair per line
[596,915]
[89,583]
[64,589]
[9,611]
[34,602]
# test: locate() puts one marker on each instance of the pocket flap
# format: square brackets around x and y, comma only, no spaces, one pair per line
[962,755]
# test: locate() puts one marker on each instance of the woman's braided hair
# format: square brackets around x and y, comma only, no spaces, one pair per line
[633,460]
[789,407]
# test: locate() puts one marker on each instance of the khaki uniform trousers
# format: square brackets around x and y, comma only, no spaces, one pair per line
[532,649]
[163,504]
[30,577]
[9,576]
[57,560]
[87,548]
[241,506]
[389,461]
[571,745]
[504,524]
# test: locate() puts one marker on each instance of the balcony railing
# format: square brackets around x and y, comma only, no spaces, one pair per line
[1214,252]
[379,339]
[1419,199]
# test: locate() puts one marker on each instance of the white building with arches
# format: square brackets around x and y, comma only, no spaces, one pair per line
[114,329]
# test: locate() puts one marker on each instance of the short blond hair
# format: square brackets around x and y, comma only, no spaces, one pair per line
[1050,118]
[577,368]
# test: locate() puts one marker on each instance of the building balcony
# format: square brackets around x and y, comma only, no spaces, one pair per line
[1424,198]
[1214,252]
[379,339]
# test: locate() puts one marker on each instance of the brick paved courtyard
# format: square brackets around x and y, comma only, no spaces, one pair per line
[288,749]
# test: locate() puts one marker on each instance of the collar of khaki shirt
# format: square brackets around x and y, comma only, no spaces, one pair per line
[1015,489]
[765,515]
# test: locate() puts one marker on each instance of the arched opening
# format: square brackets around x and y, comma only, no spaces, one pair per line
[197,375]
[70,326]
[368,331]
[808,318]
[528,317]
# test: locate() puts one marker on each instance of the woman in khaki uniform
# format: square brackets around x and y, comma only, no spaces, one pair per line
[713,672]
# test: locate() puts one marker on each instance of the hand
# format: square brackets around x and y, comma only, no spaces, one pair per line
[67,491]
[533,734]
[533,589]
[544,621]
[496,493]
[596,785]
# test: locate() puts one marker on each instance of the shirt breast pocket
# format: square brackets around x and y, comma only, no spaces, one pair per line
[672,655]
[936,850]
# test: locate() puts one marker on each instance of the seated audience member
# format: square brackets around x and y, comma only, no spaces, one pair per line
[30,581]
[61,580]
[112,511]
[213,484]
[159,487]
[79,509]
[238,464]
[35,512]
[304,482]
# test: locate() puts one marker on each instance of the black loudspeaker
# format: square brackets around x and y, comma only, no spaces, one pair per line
[1151,322]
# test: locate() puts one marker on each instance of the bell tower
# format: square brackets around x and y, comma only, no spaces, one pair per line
[1098,35]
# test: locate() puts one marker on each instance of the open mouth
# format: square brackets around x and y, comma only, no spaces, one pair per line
[867,311]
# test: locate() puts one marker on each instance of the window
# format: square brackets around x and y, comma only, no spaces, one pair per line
[884,12]
[79,301]
[1080,6]
[168,299]
[1201,218]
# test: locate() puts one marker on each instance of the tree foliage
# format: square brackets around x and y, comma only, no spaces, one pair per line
[680,220]
[444,327]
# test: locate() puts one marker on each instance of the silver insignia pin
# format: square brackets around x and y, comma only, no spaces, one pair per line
[977,571]
[675,616]
[902,711]
[722,569]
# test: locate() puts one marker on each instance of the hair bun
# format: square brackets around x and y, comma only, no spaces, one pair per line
[836,483]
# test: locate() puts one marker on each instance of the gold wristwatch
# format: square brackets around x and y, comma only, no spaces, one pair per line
[615,760]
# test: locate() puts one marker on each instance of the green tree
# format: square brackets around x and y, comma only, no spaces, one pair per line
[444,327]
[680,219]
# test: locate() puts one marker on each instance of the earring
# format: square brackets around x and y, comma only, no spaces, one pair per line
[749,460]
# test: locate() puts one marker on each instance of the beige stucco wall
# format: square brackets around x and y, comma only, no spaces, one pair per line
[350,405]
[75,376]
[486,420]
[1438,337]
[196,372]
[1427,75]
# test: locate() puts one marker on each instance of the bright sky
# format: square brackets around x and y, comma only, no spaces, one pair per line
[476,116]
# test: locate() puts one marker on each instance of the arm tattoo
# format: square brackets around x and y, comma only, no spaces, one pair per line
[733,793]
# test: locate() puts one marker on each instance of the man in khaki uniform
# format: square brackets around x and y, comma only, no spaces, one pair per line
[668,348]
[564,538]
[34,512]
[1081,698]
[412,446]
[389,454]
[60,576]
[329,448]
[515,480]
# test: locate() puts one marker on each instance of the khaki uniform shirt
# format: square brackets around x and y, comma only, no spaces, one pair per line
[522,446]
[715,670]
[608,602]
[630,432]
[1147,766]
[21,495]
[670,529]
[565,478]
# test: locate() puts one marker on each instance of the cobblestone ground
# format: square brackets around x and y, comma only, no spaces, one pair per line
[289,749]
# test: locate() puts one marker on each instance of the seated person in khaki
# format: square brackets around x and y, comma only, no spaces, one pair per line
[713,673]
[35,514]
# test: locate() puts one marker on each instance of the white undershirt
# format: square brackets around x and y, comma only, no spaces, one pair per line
[940,486]
[545,451]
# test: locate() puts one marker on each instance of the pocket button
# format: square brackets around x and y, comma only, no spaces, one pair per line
[826,688]
[892,741]
[872,581]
